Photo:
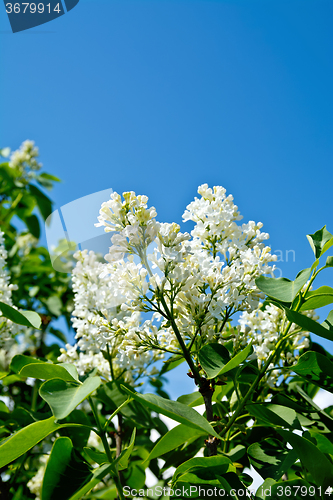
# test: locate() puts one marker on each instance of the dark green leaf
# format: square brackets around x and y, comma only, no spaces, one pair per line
[236,453]
[213,357]
[270,458]
[320,468]
[63,397]
[96,456]
[316,368]
[282,288]
[43,202]
[236,360]
[320,241]
[78,434]
[217,465]
[320,440]
[113,396]
[33,225]
[174,438]
[64,472]
[98,475]
[174,410]
[59,334]
[26,318]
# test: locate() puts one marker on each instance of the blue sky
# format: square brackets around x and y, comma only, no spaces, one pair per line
[160,96]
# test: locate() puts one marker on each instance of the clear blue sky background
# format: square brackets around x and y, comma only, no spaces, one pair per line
[160,96]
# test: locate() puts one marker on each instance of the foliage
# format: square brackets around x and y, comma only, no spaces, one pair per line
[83,427]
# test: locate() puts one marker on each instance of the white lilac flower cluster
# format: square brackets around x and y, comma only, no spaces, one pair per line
[25,159]
[189,285]
[14,339]
[103,329]
[6,326]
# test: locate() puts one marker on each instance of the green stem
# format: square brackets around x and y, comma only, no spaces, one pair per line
[119,487]
[105,442]
[101,431]
[110,361]
[34,396]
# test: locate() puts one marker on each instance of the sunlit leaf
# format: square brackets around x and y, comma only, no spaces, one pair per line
[174,410]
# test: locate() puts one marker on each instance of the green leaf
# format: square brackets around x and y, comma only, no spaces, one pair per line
[47,180]
[264,490]
[64,472]
[320,241]
[308,324]
[25,439]
[26,318]
[32,223]
[43,202]
[58,333]
[315,368]
[237,360]
[217,465]
[20,360]
[320,468]
[236,453]
[193,399]
[174,410]
[320,440]
[283,289]
[113,396]
[329,262]
[328,323]
[63,397]
[78,434]
[49,177]
[47,371]
[3,407]
[174,438]
[270,458]
[274,415]
[318,298]
[213,357]
[54,305]
[171,364]
[96,456]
